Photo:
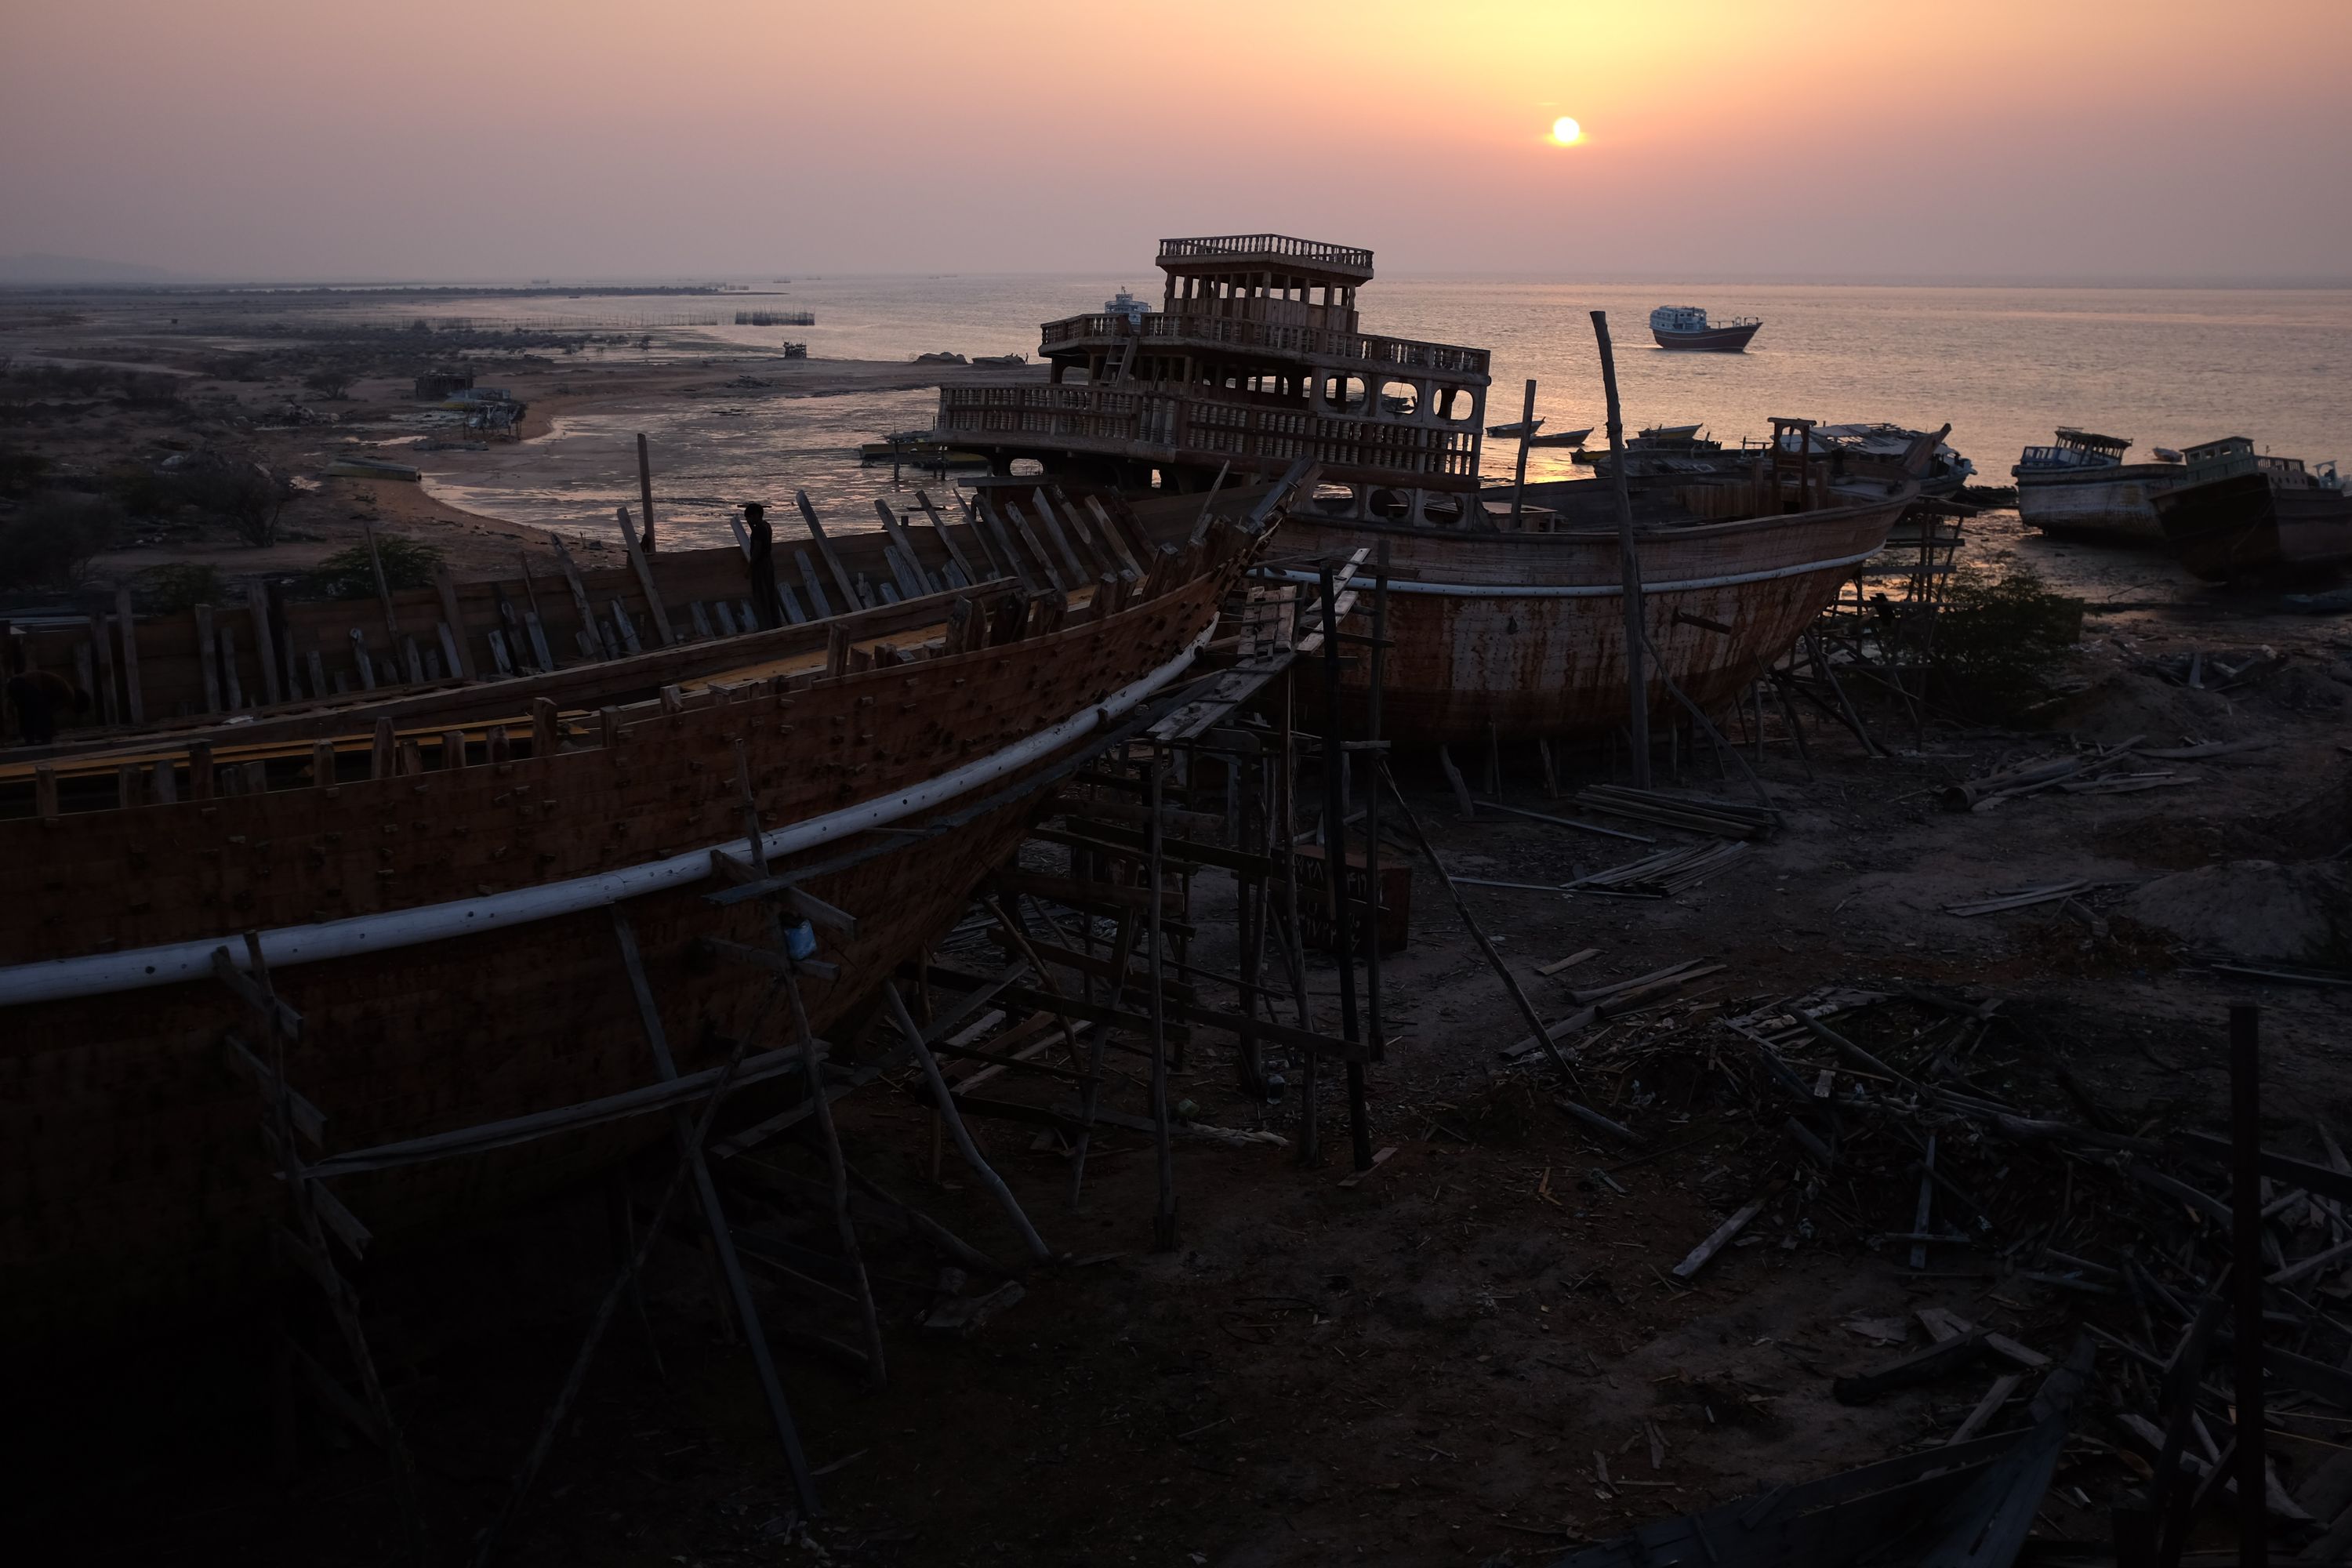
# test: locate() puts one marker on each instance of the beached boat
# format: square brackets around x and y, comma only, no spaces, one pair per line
[1686,327]
[1948,471]
[2080,486]
[1522,633]
[431,872]
[2243,515]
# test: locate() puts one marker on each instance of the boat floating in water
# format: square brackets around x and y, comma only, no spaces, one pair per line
[2243,515]
[1686,327]
[2080,486]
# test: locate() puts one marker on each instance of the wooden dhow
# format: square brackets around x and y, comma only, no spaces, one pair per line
[429,875]
[1520,632]
[2079,487]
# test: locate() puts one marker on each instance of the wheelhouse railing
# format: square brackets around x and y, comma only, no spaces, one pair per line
[1126,421]
[1270,247]
[1315,343]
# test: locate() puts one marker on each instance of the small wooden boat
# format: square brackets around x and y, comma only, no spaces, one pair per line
[1686,327]
[2245,516]
[2080,487]
[430,869]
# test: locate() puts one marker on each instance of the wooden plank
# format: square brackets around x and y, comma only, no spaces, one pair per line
[849,594]
[383,584]
[1987,1408]
[1721,1237]
[128,623]
[453,627]
[993,526]
[824,607]
[262,1004]
[265,640]
[1920,1366]
[1036,546]
[579,598]
[309,1120]
[1080,571]
[947,540]
[644,579]
[897,533]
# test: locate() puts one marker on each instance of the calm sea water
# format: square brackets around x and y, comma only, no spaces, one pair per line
[2003,367]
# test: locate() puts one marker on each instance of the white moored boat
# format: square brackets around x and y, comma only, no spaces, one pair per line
[2080,486]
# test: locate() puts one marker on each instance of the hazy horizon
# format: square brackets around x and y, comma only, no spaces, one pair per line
[1844,143]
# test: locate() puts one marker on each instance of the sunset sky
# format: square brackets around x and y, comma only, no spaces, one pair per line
[2090,140]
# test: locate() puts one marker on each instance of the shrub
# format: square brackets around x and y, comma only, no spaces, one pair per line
[49,542]
[21,471]
[349,573]
[249,497]
[176,585]
[1996,638]
[331,382]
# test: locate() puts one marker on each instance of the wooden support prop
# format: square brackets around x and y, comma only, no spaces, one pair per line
[308,1119]
[849,594]
[315,664]
[200,770]
[45,791]
[2246,1278]
[945,1103]
[322,764]
[232,691]
[380,754]
[131,690]
[644,581]
[167,781]
[546,729]
[454,643]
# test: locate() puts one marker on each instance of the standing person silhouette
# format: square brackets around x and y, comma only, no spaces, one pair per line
[762,565]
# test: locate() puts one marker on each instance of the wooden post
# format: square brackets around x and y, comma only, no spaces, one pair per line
[207,653]
[200,770]
[322,764]
[1526,433]
[1637,685]
[233,693]
[380,754]
[130,625]
[102,642]
[455,625]
[947,1114]
[896,532]
[383,584]
[265,641]
[1378,1042]
[45,791]
[646,494]
[546,730]
[644,579]
[849,596]
[2246,1279]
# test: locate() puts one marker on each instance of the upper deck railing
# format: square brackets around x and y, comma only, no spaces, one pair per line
[1273,246]
[1314,342]
[1152,423]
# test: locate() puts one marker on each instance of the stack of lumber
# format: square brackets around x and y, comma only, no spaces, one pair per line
[1722,818]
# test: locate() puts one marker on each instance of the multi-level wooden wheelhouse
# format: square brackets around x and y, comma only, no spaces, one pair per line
[1252,362]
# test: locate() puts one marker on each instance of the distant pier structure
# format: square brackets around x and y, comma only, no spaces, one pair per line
[1253,361]
[775,318]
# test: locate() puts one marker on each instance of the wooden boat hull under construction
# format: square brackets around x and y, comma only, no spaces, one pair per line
[1523,633]
[446,935]
[2114,505]
[2243,526]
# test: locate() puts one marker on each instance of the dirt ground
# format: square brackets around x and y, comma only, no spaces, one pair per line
[1423,1366]
[1431,1365]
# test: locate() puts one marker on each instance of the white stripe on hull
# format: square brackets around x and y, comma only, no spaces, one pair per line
[171,962]
[1598,590]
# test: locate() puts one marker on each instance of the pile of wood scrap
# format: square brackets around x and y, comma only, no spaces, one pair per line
[1700,814]
[1662,874]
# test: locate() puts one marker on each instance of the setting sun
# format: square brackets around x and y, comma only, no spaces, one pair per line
[1567,132]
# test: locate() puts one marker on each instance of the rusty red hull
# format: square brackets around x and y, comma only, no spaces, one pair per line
[1523,634]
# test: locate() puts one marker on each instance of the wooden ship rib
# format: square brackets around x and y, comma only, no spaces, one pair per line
[431,869]
[1504,619]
